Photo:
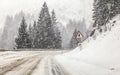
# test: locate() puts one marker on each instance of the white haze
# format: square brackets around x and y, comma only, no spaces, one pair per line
[65,9]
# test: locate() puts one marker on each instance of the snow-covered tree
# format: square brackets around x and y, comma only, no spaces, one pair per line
[57,39]
[68,31]
[45,32]
[103,11]
[34,32]
[74,42]
[30,31]
[5,35]
[114,6]
[23,41]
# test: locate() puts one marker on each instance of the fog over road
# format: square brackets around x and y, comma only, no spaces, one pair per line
[30,63]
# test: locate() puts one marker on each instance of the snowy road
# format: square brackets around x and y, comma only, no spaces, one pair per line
[49,66]
[30,63]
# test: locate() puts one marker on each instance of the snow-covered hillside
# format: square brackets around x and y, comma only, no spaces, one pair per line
[99,57]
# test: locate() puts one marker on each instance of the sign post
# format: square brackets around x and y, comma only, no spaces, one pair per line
[79,37]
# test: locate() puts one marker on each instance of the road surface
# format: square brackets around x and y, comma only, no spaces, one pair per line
[30,63]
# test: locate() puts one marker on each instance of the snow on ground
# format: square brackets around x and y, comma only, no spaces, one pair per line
[99,57]
[49,66]
[9,59]
[30,63]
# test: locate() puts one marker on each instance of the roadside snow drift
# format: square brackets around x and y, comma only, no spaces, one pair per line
[99,57]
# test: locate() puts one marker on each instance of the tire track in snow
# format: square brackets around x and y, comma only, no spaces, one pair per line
[26,68]
[49,66]
[11,65]
[31,63]
[7,65]
[57,69]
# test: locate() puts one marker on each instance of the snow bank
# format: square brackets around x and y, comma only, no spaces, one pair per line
[98,57]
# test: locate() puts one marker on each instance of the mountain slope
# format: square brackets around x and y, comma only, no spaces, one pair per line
[98,57]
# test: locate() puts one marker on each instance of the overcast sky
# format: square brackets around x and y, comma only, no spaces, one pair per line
[68,8]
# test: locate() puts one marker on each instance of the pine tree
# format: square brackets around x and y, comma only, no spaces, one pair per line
[45,32]
[57,38]
[34,34]
[100,12]
[30,31]
[101,15]
[23,41]
[54,20]
[103,11]
[114,7]
[74,42]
